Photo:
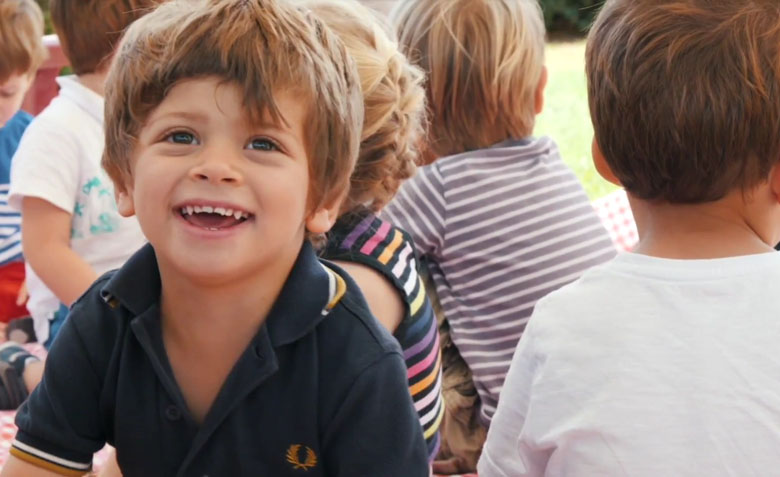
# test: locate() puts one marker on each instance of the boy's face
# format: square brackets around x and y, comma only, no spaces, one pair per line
[12,93]
[218,197]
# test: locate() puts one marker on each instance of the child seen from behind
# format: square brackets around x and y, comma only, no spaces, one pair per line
[663,361]
[499,219]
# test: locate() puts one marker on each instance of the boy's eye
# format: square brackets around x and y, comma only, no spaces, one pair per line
[261,144]
[182,137]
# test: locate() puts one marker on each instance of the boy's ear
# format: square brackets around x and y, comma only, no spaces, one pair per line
[539,96]
[124,200]
[323,217]
[601,164]
[774,181]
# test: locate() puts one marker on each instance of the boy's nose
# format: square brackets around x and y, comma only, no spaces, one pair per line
[217,170]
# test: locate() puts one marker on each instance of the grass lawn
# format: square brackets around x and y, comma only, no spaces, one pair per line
[565,117]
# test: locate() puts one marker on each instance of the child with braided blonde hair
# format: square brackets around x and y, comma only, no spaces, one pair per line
[380,257]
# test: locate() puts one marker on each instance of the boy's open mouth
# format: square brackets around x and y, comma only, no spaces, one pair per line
[213,218]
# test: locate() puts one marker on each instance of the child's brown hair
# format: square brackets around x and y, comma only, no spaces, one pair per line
[484,60]
[89,30]
[684,95]
[21,37]
[262,46]
[394,103]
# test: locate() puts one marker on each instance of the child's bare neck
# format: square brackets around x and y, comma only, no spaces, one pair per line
[721,229]
[206,315]
[207,326]
[94,81]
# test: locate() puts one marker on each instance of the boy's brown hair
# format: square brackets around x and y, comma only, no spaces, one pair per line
[685,95]
[262,46]
[394,100]
[21,37]
[484,60]
[89,30]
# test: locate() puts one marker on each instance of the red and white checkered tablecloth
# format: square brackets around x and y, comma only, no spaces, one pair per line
[615,213]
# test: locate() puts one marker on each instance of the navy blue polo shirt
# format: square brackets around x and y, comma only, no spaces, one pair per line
[320,391]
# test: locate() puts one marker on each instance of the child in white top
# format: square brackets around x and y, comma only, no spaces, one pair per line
[664,361]
[72,231]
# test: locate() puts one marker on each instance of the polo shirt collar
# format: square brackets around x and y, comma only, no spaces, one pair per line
[136,285]
[309,293]
[86,99]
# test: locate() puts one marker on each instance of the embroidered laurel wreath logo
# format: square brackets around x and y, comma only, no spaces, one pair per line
[294,454]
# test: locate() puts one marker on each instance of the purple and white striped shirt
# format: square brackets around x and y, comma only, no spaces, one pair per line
[499,228]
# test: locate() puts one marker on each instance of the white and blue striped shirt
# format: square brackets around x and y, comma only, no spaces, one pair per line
[10,230]
[10,219]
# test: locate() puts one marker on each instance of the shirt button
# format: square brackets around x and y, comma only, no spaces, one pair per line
[259,353]
[172,413]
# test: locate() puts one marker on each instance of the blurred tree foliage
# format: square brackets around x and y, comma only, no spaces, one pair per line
[569,16]
[44,4]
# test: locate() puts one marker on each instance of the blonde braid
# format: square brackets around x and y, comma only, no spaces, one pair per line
[394,99]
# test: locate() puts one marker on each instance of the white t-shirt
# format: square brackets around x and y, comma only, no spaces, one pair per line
[647,367]
[58,160]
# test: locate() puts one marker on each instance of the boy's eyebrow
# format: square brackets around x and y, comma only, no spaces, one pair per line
[187,115]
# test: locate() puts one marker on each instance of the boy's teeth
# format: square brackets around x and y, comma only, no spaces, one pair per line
[206,209]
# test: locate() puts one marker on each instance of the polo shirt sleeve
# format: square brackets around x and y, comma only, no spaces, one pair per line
[60,427]
[376,431]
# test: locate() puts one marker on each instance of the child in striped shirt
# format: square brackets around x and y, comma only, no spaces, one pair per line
[380,257]
[21,32]
[498,218]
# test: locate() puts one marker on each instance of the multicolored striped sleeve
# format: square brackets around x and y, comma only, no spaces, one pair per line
[379,245]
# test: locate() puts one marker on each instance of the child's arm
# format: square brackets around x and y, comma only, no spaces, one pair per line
[376,431]
[46,244]
[383,299]
[419,208]
[18,468]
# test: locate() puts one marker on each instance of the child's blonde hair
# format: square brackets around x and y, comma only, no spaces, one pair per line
[21,37]
[394,102]
[484,60]
[262,46]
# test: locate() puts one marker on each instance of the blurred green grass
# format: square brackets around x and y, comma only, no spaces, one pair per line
[565,117]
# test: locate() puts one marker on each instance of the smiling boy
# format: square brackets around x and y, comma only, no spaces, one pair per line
[225,347]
